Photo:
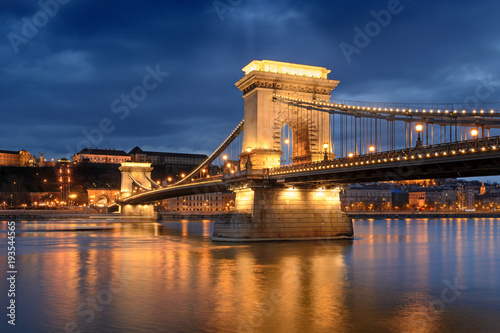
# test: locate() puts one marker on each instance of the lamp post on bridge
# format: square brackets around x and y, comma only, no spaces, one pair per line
[474,132]
[325,147]
[371,149]
[419,128]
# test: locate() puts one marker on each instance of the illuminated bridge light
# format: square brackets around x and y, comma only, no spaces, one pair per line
[483,148]
[493,147]
[472,150]
[453,152]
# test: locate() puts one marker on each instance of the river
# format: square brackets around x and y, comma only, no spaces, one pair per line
[424,275]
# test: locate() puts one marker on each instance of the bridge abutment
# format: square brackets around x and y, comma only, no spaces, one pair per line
[266,214]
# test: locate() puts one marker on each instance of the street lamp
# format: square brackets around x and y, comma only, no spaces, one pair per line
[287,141]
[351,155]
[419,128]
[325,147]
[371,149]
[249,149]
[474,134]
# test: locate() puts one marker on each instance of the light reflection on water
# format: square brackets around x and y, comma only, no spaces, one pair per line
[138,276]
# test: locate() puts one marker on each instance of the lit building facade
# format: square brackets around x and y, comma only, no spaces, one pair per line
[366,199]
[107,156]
[208,202]
[159,158]
[465,198]
[20,158]
[434,199]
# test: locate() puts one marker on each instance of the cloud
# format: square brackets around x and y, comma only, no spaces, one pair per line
[91,52]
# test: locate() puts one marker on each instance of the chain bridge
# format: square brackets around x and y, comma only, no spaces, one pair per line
[296,146]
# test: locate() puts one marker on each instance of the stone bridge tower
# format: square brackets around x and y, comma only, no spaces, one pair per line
[265,118]
[132,173]
[274,211]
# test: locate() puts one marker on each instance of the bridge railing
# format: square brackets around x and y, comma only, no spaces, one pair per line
[423,152]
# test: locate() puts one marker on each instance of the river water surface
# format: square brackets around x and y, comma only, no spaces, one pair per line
[428,275]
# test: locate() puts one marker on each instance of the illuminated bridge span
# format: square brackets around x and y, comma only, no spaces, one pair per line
[286,160]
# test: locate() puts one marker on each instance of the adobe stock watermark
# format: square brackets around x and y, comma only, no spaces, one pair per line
[484,90]
[449,294]
[372,29]
[121,107]
[88,310]
[31,25]
[224,6]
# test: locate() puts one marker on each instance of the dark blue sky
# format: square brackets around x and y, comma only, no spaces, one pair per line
[68,75]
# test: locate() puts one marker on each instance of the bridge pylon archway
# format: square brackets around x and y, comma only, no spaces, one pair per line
[264,118]
[138,174]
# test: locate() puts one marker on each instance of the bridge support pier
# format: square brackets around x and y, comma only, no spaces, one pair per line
[146,210]
[267,214]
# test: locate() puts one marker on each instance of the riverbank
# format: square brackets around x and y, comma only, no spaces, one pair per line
[421,215]
[354,215]
[16,215]
[36,215]
[192,216]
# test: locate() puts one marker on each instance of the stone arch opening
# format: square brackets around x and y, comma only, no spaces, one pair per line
[103,200]
[300,128]
[286,145]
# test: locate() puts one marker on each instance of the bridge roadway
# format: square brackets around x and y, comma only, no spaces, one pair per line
[470,158]
[215,184]
[462,159]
